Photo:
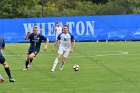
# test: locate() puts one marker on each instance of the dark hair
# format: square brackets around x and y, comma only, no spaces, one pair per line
[57,22]
[65,25]
[35,27]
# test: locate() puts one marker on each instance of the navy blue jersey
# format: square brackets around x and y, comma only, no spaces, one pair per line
[35,40]
[2,43]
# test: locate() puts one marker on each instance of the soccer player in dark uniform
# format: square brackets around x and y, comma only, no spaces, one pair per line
[3,61]
[35,43]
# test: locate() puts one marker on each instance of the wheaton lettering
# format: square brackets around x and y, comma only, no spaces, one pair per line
[78,28]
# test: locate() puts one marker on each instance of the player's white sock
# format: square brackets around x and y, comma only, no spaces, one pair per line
[0,76]
[55,63]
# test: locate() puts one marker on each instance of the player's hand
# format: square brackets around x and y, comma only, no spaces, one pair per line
[28,32]
[53,49]
[45,48]
[71,50]
[55,28]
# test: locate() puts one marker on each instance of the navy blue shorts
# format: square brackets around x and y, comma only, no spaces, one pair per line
[2,58]
[33,50]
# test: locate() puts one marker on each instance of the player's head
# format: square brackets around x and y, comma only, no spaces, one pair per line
[58,23]
[65,28]
[35,29]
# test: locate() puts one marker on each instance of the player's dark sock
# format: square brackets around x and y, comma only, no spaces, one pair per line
[26,64]
[31,61]
[8,72]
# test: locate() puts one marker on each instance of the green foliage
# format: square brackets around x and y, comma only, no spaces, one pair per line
[110,8]
[135,6]
[51,9]
[33,8]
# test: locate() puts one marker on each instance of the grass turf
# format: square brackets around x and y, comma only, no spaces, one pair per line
[105,67]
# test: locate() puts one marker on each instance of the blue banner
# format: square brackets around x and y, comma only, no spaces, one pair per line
[84,28]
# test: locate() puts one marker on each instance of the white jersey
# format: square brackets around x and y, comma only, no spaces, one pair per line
[58,30]
[65,40]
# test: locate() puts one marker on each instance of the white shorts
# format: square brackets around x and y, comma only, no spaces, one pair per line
[64,52]
[56,36]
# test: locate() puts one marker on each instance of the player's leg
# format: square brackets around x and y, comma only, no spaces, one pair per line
[63,62]
[65,55]
[2,60]
[7,70]
[30,63]
[6,67]
[30,50]
[58,43]
[60,52]
[27,62]
[56,61]
[30,56]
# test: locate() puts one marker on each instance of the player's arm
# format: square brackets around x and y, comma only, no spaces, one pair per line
[55,28]
[55,44]
[26,36]
[72,43]
[3,45]
[46,45]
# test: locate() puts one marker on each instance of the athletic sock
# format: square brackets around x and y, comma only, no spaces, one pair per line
[8,72]
[61,66]
[31,61]
[1,77]
[55,63]
[26,64]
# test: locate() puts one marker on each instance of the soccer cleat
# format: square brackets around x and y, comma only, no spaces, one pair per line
[52,70]
[1,80]
[11,80]
[25,69]
[61,68]
[29,65]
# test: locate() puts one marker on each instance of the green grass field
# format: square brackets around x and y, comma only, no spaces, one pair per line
[105,67]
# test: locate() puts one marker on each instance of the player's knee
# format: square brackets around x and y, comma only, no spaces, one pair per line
[59,57]
[30,57]
[63,60]
[5,65]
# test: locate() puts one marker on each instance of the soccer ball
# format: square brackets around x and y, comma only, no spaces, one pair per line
[76,67]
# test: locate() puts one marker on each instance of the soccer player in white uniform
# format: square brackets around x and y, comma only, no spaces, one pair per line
[67,44]
[58,29]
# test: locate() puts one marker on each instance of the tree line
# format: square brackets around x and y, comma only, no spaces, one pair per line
[55,8]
